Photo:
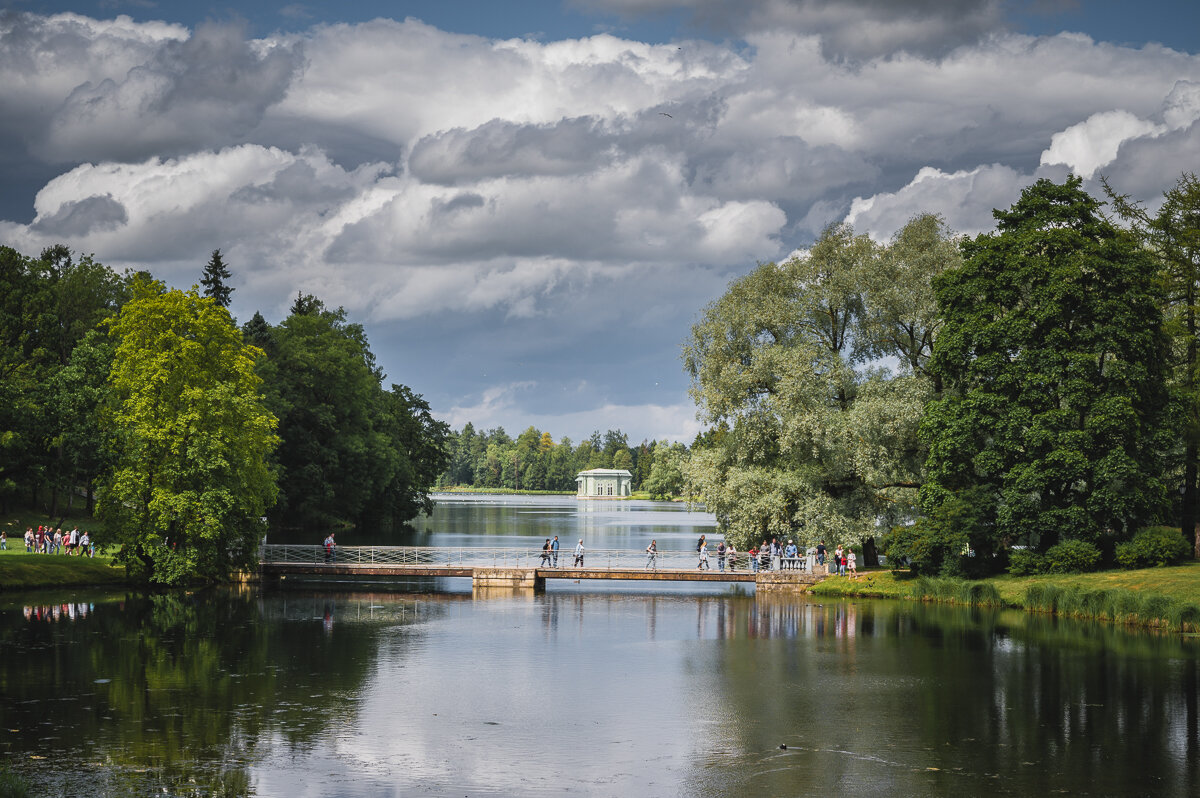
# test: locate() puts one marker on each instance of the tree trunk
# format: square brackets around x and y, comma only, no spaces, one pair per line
[1187,510]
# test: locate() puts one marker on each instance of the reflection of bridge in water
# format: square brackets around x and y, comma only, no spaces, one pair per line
[523,568]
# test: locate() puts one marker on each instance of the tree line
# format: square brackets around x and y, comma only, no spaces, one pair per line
[535,461]
[1032,386]
[184,430]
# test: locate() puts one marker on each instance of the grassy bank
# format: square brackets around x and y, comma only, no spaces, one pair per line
[19,570]
[1157,597]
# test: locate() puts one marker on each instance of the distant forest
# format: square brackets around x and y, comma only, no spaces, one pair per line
[535,461]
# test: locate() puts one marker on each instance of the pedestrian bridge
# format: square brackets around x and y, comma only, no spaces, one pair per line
[523,568]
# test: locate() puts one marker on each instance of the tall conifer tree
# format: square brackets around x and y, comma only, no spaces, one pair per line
[215,280]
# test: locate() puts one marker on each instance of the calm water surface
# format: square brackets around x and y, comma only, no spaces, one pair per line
[503,521]
[353,690]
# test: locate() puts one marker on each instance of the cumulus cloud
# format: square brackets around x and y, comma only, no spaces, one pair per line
[75,218]
[1091,144]
[209,89]
[417,176]
[965,199]
[848,28]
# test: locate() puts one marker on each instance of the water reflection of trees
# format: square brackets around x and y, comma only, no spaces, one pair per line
[894,698]
[179,691]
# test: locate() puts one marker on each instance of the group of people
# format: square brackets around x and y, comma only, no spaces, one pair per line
[54,541]
[726,553]
[550,553]
[786,557]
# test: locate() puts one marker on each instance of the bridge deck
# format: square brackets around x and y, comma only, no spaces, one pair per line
[521,568]
[469,571]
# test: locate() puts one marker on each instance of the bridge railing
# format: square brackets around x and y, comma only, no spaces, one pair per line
[465,557]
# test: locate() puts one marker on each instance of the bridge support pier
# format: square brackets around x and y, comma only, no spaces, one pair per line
[786,581]
[507,581]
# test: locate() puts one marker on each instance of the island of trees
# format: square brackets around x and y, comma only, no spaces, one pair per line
[187,432]
[1027,398]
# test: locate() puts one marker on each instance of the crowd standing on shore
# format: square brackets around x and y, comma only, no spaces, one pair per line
[47,540]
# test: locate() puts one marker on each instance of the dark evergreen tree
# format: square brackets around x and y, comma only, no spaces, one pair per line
[215,280]
[258,332]
[306,305]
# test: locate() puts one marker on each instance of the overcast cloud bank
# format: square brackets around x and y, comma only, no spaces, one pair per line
[554,214]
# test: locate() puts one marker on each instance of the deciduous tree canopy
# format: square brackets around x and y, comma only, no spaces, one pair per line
[816,434]
[1052,354]
[190,438]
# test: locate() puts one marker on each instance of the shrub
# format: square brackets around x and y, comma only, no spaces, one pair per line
[1152,546]
[1096,603]
[1123,605]
[1185,616]
[1156,608]
[1042,597]
[979,594]
[1025,562]
[1072,557]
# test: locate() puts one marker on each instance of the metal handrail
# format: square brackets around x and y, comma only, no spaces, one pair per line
[490,557]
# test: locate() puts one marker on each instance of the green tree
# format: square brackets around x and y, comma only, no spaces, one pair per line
[324,387]
[666,477]
[623,459]
[47,306]
[1052,357]
[807,438]
[1172,235]
[350,451]
[216,280]
[190,437]
[77,393]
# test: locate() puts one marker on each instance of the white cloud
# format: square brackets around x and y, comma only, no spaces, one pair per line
[1093,143]
[965,199]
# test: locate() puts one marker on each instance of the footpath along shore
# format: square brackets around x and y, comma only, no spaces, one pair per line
[1166,598]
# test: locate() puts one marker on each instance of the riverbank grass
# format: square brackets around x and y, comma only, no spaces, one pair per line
[1162,597]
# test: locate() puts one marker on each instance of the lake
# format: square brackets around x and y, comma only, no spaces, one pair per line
[353,689]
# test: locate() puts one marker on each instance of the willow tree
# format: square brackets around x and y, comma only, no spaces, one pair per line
[189,437]
[812,376]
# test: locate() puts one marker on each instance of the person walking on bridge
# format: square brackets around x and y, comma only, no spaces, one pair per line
[579,554]
[652,556]
[546,553]
[330,548]
[703,564]
[554,551]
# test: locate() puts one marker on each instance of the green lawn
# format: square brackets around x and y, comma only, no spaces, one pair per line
[1165,597]
[19,570]
[1180,582]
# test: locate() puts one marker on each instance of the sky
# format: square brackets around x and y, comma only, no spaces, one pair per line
[527,205]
